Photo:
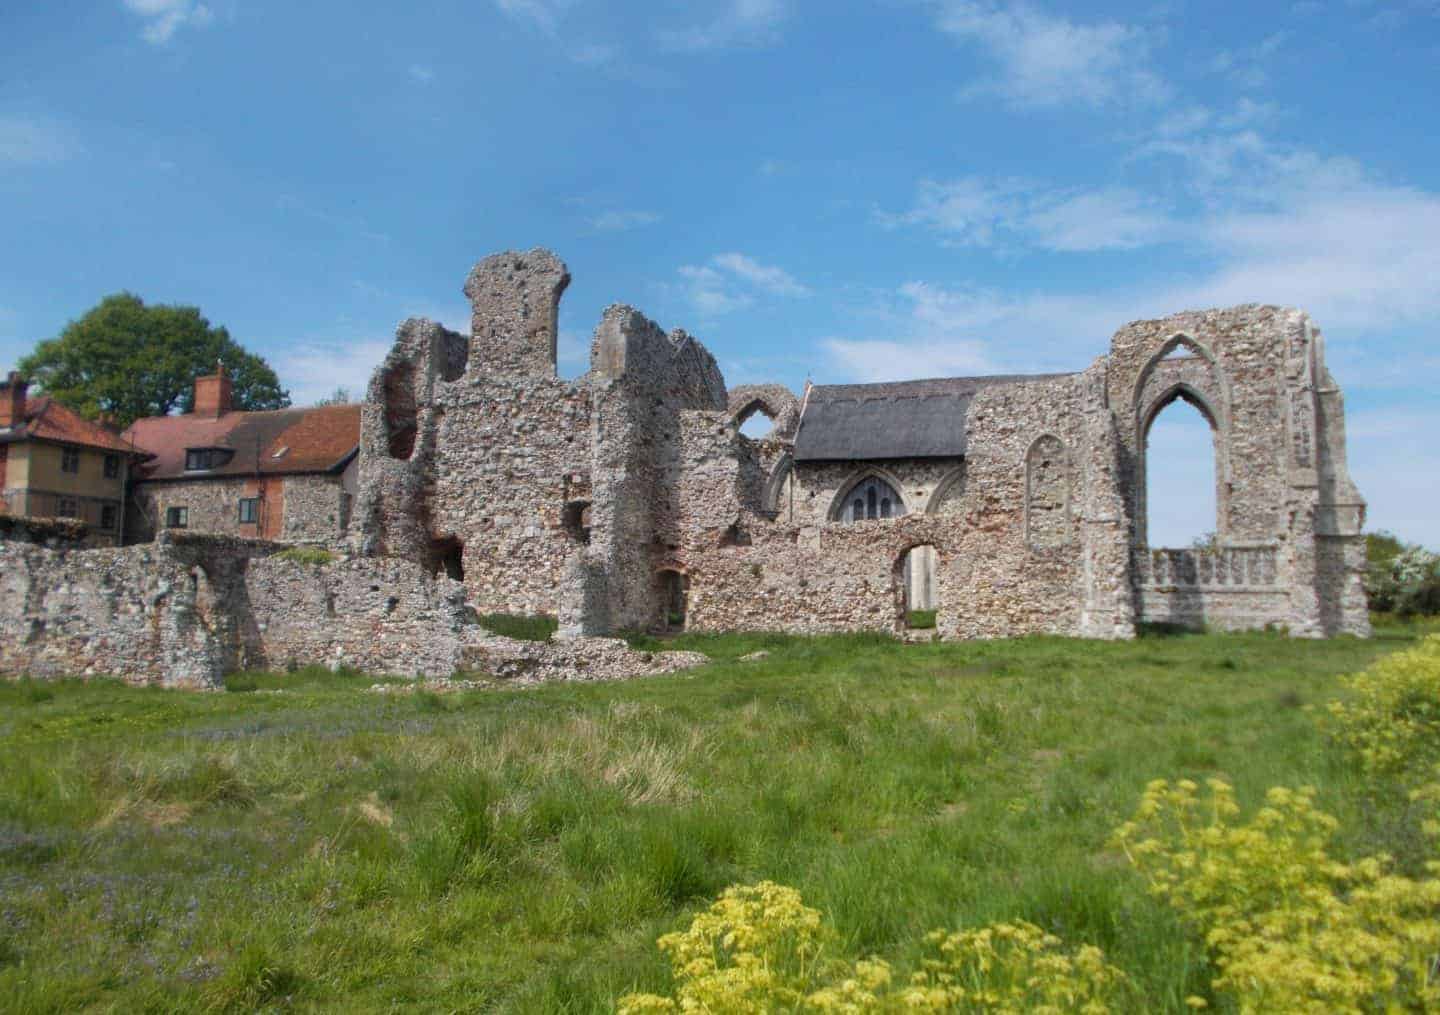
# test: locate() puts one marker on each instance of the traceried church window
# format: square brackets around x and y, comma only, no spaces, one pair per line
[872,498]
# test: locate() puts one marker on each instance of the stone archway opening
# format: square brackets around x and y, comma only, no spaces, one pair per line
[674,588]
[1181,487]
[917,589]
[755,421]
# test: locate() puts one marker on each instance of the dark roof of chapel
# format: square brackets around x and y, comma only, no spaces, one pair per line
[900,419]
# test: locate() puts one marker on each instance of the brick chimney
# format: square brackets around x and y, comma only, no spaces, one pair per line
[213,393]
[12,400]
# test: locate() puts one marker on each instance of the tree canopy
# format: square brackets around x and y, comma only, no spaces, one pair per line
[128,360]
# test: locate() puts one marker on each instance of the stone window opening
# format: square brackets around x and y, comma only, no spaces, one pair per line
[401,421]
[177,517]
[755,421]
[112,466]
[917,582]
[674,600]
[734,535]
[575,520]
[249,512]
[870,499]
[1180,492]
[447,555]
[69,460]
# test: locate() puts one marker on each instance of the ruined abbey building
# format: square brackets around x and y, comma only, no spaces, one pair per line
[629,499]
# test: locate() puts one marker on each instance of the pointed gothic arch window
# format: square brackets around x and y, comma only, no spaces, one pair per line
[870,499]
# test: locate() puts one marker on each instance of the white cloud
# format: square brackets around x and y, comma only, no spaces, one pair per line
[976,212]
[741,23]
[1248,67]
[163,18]
[769,278]
[313,370]
[421,73]
[618,221]
[1044,60]
[733,281]
[711,293]
[27,141]
[544,15]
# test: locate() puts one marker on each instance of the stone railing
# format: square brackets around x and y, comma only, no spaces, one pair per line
[1225,567]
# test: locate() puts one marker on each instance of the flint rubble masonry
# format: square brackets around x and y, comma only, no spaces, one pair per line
[488,484]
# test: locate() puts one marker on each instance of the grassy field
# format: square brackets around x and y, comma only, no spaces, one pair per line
[309,844]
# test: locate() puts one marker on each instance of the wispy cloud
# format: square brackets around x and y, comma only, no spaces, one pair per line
[421,73]
[619,221]
[544,15]
[1248,67]
[730,282]
[31,141]
[973,211]
[313,370]
[163,18]
[1045,60]
[740,23]
[768,278]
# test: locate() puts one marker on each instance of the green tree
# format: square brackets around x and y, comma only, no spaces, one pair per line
[129,360]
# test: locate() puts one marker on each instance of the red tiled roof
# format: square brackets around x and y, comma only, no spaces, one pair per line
[48,420]
[275,442]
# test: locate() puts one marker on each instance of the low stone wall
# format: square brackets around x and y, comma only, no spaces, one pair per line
[187,609]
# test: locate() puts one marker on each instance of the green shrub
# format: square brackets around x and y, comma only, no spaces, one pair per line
[1391,722]
[1401,579]
[539,627]
[307,555]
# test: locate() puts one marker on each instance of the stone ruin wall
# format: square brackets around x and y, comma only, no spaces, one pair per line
[1290,551]
[1041,528]
[797,570]
[584,498]
[473,446]
[189,609]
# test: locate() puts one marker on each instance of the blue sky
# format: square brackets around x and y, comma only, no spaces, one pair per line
[844,191]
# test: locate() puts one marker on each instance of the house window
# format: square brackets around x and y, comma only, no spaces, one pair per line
[67,507]
[177,517]
[249,510]
[205,459]
[109,515]
[112,466]
[69,460]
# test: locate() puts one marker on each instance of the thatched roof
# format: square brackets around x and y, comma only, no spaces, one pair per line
[903,419]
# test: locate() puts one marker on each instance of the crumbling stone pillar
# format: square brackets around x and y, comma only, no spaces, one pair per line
[515,300]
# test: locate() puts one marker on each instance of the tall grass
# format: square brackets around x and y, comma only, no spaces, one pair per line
[320,846]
